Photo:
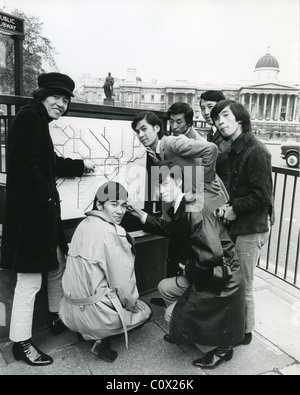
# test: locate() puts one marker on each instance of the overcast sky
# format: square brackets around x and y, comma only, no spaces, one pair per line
[203,41]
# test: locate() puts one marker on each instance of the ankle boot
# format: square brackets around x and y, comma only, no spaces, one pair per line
[26,351]
[102,349]
[56,326]
[214,358]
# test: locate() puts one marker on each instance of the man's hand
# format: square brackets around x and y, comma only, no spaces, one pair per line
[215,186]
[134,210]
[229,215]
[89,166]
[182,267]
[138,307]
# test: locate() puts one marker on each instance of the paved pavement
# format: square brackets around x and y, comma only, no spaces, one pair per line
[275,349]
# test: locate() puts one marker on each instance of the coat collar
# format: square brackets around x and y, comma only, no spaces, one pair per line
[191,133]
[188,199]
[39,107]
[241,141]
[95,213]
[180,209]
[162,148]
[214,134]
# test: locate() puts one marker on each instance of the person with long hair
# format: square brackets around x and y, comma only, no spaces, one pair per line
[33,240]
[249,213]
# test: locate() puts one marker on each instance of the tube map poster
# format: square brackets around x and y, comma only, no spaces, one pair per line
[114,149]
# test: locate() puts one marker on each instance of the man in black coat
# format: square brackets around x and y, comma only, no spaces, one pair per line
[200,309]
[33,240]
[249,213]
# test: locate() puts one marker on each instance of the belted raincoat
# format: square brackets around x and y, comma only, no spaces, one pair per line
[99,283]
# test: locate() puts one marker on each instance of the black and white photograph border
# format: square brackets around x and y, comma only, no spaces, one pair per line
[159,52]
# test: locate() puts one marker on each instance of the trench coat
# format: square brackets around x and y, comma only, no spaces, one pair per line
[32,228]
[207,313]
[99,283]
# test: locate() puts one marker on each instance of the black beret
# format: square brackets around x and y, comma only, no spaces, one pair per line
[59,81]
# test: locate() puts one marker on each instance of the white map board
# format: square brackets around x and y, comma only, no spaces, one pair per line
[116,152]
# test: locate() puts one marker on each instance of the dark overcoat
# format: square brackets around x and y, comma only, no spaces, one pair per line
[32,228]
[207,313]
[251,186]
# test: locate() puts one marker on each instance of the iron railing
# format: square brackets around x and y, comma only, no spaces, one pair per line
[280,257]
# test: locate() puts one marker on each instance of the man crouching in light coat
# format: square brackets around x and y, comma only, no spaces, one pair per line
[101,298]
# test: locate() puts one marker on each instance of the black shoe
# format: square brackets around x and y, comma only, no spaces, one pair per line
[103,350]
[158,302]
[57,326]
[247,339]
[168,339]
[214,358]
[28,352]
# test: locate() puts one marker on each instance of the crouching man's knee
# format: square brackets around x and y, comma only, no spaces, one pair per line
[163,287]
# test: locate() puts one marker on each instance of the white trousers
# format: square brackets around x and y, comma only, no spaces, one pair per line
[28,285]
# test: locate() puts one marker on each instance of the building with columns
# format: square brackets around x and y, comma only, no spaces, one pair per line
[267,100]
[273,106]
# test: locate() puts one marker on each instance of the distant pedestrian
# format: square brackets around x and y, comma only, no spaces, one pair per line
[249,213]
[33,241]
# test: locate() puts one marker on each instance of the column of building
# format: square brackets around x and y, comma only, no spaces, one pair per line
[272,107]
[250,104]
[243,99]
[295,108]
[280,106]
[287,113]
[257,105]
[265,107]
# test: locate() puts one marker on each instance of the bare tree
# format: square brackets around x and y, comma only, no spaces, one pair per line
[38,53]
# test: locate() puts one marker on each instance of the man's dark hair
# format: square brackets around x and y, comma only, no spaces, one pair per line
[165,169]
[150,118]
[238,110]
[211,95]
[110,190]
[182,108]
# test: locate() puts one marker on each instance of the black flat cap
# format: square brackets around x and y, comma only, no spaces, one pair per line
[61,82]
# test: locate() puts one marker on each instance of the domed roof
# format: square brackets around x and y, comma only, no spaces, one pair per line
[267,61]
